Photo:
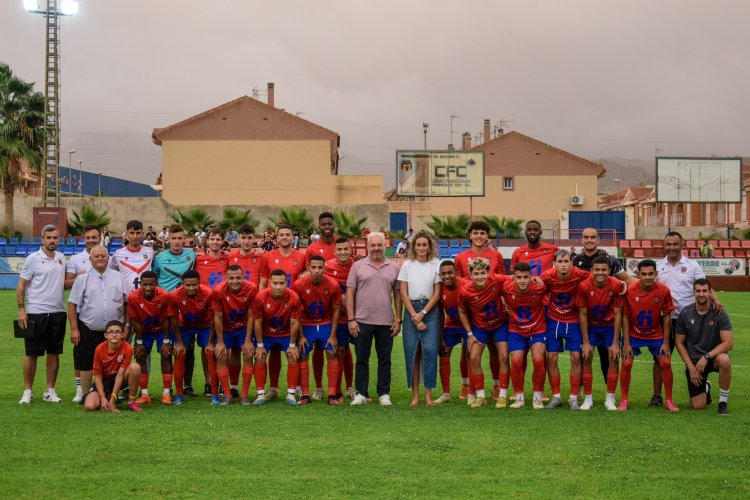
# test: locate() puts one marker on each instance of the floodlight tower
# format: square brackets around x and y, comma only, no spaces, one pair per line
[55,9]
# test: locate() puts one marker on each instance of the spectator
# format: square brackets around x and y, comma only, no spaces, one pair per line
[232,237]
[707,250]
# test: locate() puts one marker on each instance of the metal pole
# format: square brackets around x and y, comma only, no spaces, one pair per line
[71,152]
[80,177]
[99,189]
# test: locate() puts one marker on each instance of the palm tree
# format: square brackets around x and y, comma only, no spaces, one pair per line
[507,227]
[450,226]
[21,134]
[236,217]
[348,225]
[298,218]
[86,216]
[192,218]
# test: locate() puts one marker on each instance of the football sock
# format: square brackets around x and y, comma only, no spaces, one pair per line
[214,381]
[318,362]
[304,375]
[723,395]
[625,373]
[445,373]
[504,377]
[234,374]
[166,379]
[612,381]
[575,385]
[292,375]
[179,372]
[477,381]
[516,373]
[666,376]
[223,375]
[537,375]
[144,382]
[78,382]
[259,370]
[588,382]
[247,377]
[332,374]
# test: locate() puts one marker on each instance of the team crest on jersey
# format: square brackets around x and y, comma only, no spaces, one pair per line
[244,298]
[710,322]
[608,293]
[119,358]
[656,299]
[494,288]
[145,256]
[294,262]
[158,305]
[692,321]
[59,261]
[187,258]
[223,261]
[255,259]
[683,269]
[325,292]
[268,306]
[200,303]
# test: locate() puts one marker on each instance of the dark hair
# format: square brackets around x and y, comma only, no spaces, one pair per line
[534,221]
[176,228]
[478,225]
[113,322]
[702,281]
[341,239]
[447,263]
[646,263]
[601,259]
[673,233]
[191,273]
[325,215]
[235,267]
[277,272]
[135,225]
[148,274]
[92,227]
[246,229]
[522,267]
[284,226]
[214,230]
[317,257]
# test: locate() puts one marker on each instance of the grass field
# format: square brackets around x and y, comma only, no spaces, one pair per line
[196,450]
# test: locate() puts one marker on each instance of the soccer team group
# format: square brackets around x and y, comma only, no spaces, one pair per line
[245,307]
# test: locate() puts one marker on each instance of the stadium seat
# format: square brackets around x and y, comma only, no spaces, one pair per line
[691,244]
[465,244]
[713,243]
[694,254]
[36,241]
[70,242]
[81,243]
[455,244]
[13,241]
[624,244]
[21,251]
[68,250]
[657,244]
[10,250]
[735,244]
[745,243]
[741,254]
[718,254]
[117,241]
[638,253]
[3,242]
[25,241]
[723,244]
[445,254]
[443,243]
[635,244]
[645,243]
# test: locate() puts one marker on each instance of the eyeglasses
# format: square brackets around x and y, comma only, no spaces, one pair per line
[114,332]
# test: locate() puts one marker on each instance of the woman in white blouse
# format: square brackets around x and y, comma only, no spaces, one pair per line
[420,293]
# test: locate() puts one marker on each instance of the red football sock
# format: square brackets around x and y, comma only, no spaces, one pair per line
[274,367]
[178,369]
[166,379]
[504,377]
[348,366]
[247,377]
[234,373]
[516,373]
[292,375]
[477,381]
[463,366]
[554,382]
[445,373]
[575,385]
[625,372]
[612,377]
[332,374]
[537,375]
[304,376]
[666,376]
[144,381]
[259,370]
[525,362]
[223,375]
[318,362]
[214,380]
[588,382]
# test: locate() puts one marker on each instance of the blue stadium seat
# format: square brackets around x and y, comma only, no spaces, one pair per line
[13,241]
[70,242]
[117,242]
[455,251]
[10,251]
[25,241]
[455,244]
[3,242]
[445,254]
[68,251]
[443,243]
[36,241]
[21,251]
[81,243]
[465,244]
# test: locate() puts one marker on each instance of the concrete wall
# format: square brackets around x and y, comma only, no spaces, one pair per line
[687,232]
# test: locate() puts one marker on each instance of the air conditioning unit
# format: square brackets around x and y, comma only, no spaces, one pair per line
[576,200]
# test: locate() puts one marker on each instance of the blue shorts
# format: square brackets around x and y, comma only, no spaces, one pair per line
[454,336]
[601,335]
[499,334]
[281,342]
[233,339]
[559,333]
[317,335]
[654,346]
[342,335]
[518,342]
[150,338]
[189,335]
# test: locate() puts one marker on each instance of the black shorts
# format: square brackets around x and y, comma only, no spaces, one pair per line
[701,389]
[50,328]
[83,353]
[108,384]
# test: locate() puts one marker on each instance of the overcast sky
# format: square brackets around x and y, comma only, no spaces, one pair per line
[596,78]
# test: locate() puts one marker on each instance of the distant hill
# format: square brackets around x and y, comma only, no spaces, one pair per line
[630,173]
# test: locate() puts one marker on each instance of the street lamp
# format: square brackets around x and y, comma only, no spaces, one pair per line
[617,182]
[424,127]
[99,190]
[71,152]
[52,13]
[80,177]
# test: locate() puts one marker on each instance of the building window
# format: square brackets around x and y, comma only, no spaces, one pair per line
[507,183]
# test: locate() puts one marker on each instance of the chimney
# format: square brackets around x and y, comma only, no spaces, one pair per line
[270,94]
[466,141]
[487,135]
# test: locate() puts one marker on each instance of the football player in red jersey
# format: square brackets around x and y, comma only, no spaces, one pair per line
[479,235]
[247,256]
[192,316]
[292,262]
[647,323]
[149,309]
[453,332]
[320,298]
[338,269]
[599,304]
[276,313]
[538,254]
[212,265]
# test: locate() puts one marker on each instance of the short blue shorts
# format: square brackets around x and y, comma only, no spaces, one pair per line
[342,335]
[270,342]
[559,334]
[601,335]
[316,335]
[234,338]
[454,336]
[189,335]
[654,346]
[150,338]
[499,334]
[518,342]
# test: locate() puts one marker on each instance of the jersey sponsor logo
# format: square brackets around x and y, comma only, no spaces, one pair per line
[119,358]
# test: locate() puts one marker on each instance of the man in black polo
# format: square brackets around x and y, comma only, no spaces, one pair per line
[703,337]
[584,260]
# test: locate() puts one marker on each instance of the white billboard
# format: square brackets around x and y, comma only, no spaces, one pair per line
[712,267]
[699,180]
[440,173]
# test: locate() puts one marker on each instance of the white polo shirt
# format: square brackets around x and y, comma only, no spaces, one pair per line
[46,288]
[100,298]
[679,278]
[79,263]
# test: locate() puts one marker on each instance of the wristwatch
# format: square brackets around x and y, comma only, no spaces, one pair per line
[707,356]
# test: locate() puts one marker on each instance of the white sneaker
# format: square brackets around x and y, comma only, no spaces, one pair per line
[470,399]
[26,398]
[273,393]
[358,400]
[79,396]
[318,394]
[350,392]
[587,404]
[444,398]
[610,404]
[51,397]
[385,400]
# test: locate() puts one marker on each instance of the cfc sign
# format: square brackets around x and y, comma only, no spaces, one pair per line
[440,173]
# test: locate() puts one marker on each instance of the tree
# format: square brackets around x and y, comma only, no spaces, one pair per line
[21,134]
[299,219]
[192,219]
[236,217]
[450,226]
[348,225]
[86,216]
[507,227]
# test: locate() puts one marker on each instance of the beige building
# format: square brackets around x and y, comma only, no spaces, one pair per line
[524,178]
[247,152]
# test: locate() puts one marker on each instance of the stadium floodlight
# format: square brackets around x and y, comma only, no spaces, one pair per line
[69,7]
[31,5]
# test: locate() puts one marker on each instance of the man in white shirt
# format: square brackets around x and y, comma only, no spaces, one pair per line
[40,298]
